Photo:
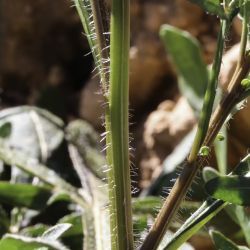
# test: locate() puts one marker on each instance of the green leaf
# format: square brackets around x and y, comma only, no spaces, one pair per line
[223,243]
[206,211]
[146,205]
[56,231]
[34,231]
[16,242]
[241,216]
[186,55]
[233,189]
[75,220]
[212,7]
[24,195]
[5,130]
[194,223]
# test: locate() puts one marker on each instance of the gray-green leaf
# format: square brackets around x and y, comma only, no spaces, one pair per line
[186,55]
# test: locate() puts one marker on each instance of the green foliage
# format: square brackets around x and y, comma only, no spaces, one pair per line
[185,51]
[223,243]
[233,189]
[15,242]
[5,130]
[24,195]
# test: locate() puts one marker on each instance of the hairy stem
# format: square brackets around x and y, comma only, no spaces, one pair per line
[118,104]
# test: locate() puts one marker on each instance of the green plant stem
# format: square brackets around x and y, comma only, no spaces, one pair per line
[209,95]
[118,104]
[178,192]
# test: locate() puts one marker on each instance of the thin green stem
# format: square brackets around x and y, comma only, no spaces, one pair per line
[209,95]
[244,34]
[118,103]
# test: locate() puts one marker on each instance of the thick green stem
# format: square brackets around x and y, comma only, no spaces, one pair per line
[118,104]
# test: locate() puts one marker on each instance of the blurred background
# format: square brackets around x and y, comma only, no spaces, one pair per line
[45,61]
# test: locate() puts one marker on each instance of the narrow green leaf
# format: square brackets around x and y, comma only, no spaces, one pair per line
[146,205]
[32,167]
[198,219]
[223,243]
[5,130]
[75,220]
[241,216]
[233,189]
[56,231]
[16,242]
[185,52]
[212,7]
[34,231]
[24,195]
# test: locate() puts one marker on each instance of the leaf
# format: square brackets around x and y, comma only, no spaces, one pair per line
[194,223]
[233,189]
[241,216]
[185,52]
[75,220]
[24,195]
[206,211]
[56,232]
[16,242]
[83,136]
[73,238]
[34,131]
[223,243]
[34,231]
[209,173]
[32,167]
[5,130]
[212,7]
[146,205]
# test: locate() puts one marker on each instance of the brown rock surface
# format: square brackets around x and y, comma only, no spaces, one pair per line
[163,130]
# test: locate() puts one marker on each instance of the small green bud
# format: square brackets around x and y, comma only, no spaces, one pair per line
[245,83]
[220,137]
[204,151]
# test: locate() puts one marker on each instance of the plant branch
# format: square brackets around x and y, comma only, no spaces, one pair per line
[118,104]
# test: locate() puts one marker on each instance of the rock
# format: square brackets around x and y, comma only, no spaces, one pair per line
[163,130]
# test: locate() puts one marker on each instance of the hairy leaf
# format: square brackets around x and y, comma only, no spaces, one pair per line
[56,231]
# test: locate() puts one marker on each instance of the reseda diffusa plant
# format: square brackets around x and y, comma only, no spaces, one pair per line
[115,228]
[117,112]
